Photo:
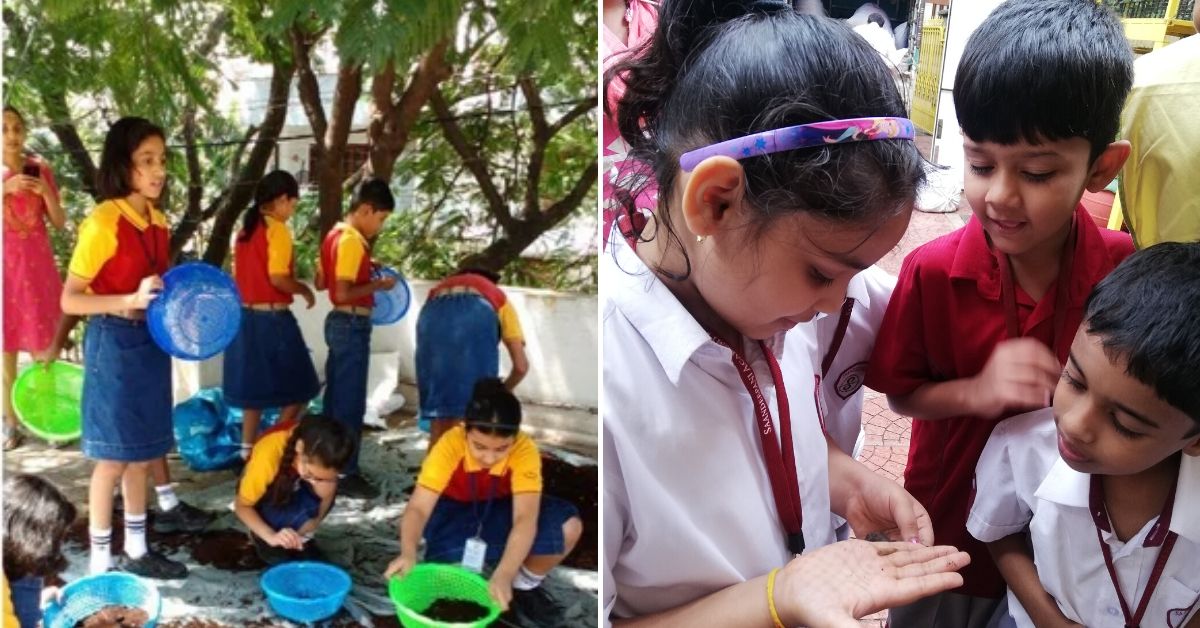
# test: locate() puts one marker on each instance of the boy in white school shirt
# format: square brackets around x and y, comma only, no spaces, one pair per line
[1105,486]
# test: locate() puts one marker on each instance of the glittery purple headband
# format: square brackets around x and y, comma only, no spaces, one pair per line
[803,136]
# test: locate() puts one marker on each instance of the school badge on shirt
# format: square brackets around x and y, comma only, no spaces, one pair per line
[851,380]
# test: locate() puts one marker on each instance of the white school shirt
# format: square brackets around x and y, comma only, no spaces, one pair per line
[1022,481]
[688,508]
[841,392]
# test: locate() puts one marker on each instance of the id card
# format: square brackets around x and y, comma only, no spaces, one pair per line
[473,554]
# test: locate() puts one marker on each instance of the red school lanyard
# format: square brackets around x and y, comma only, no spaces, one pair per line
[781,461]
[1160,534]
[1061,288]
[838,335]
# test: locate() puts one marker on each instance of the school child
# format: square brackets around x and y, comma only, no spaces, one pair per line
[482,486]
[289,484]
[982,318]
[31,281]
[268,365]
[752,118]
[1103,489]
[459,330]
[36,518]
[346,271]
[121,252]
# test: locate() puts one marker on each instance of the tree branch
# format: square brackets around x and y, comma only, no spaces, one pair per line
[307,85]
[471,159]
[241,190]
[59,113]
[569,203]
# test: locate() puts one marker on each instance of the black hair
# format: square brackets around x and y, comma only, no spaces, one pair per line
[273,185]
[1039,70]
[326,441]
[13,110]
[36,518]
[493,409]
[875,18]
[114,178]
[491,276]
[374,192]
[1145,313]
[717,70]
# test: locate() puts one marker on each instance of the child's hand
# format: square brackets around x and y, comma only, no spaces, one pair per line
[500,588]
[147,290]
[18,183]
[49,356]
[35,185]
[384,283]
[834,585]
[400,566]
[309,298]
[287,539]
[1020,375]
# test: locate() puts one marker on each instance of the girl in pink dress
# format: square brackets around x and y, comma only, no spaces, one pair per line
[31,281]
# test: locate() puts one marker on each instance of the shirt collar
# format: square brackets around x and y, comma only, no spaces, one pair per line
[1068,487]
[975,259]
[349,229]
[470,465]
[670,330]
[1185,520]
[137,220]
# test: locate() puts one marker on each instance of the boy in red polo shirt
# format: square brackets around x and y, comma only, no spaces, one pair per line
[346,273]
[981,320]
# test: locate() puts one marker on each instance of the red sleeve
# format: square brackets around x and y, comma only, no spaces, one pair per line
[899,362]
[1118,243]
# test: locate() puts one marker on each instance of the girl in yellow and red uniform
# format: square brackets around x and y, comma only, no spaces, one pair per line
[268,365]
[122,251]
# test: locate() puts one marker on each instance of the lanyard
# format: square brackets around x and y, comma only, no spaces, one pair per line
[1160,534]
[1009,296]
[475,502]
[827,362]
[781,461]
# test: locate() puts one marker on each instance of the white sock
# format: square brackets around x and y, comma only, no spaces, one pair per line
[101,551]
[166,497]
[527,580]
[135,535]
[245,452]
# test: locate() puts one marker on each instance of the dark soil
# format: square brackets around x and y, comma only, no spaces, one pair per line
[455,611]
[578,485]
[230,550]
[116,617]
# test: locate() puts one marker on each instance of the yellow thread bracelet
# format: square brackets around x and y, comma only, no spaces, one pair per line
[771,598]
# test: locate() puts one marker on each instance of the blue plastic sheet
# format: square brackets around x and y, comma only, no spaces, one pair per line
[208,432]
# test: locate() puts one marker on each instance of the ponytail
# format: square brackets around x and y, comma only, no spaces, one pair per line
[273,185]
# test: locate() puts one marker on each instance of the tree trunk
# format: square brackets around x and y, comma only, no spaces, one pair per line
[241,192]
[392,122]
[58,111]
[330,178]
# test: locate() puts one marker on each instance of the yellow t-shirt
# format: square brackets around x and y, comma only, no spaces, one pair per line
[279,247]
[263,466]
[10,615]
[510,325]
[449,467]
[1160,192]
[352,246]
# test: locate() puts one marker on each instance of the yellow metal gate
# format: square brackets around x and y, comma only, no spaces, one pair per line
[929,75]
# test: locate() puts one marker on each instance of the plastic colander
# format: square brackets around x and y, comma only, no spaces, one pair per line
[305,591]
[391,305]
[430,582]
[84,597]
[198,312]
[47,400]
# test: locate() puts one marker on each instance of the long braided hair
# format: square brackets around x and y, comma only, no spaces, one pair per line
[273,185]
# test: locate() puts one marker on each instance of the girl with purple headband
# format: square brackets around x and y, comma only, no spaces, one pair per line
[784,168]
